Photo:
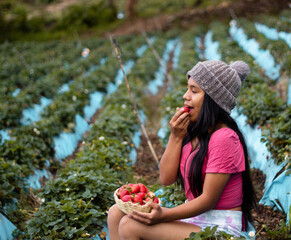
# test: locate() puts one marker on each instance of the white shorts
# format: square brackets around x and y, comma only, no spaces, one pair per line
[227,220]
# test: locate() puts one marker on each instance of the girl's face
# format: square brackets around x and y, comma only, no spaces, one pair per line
[193,97]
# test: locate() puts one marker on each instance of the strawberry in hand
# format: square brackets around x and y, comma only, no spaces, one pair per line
[186,109]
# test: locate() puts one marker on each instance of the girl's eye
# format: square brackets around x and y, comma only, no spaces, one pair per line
[194,92]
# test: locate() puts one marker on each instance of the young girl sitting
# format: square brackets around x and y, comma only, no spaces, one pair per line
[207,154]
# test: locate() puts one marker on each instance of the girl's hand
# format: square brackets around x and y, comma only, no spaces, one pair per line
[157,215]
[179,123]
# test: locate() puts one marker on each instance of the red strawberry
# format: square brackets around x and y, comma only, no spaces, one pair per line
[147,199]
[126,198]
[137,199]
[151,194]
[156,200]
[135,188]
[186,109]
[123,193]
[130,185]
[143,188]
[141,194]
[119,192]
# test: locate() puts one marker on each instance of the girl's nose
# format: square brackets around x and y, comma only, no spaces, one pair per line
[186,95]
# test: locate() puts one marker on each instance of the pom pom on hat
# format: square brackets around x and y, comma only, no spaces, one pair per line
[241,68]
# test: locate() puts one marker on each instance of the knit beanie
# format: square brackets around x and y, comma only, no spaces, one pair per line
[220,81]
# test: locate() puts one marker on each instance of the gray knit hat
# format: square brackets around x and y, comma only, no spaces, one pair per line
[220,81]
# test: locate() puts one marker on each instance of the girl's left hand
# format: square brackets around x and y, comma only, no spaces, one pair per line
[156,215]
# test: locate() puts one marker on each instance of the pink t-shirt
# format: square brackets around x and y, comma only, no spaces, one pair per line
[224,155]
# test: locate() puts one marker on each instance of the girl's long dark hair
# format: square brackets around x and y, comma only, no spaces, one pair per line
[210,115]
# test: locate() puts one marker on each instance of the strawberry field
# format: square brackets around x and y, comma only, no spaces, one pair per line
[69,135]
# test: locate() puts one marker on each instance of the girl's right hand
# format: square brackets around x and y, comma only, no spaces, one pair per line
[179,123]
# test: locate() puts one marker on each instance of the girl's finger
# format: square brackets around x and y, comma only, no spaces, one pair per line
[177,114]
[141,214]
[185,122]
[139,218]
[154,205]
[181,118]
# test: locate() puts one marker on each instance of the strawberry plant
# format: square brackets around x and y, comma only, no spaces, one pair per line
[11,181]
[102,161]
[276,133]
[278,48]
[173,195]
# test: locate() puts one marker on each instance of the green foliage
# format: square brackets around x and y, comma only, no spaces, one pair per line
[173,194]
[76,202]
[259,103]
[282,231]
[279,48]
[17,18]
[27,147]
[279,21]
[65,219]
[276,134]
[11,180]
[78,16]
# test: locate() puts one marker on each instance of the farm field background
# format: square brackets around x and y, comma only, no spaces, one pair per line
[69,135]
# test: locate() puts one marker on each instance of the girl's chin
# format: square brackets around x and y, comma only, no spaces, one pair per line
[192,119]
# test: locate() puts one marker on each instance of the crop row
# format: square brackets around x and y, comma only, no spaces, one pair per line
[278,48]
[280,22]
[111,124]
[45,86]
[32,145]
[23,64]
[110,139]
[73,197]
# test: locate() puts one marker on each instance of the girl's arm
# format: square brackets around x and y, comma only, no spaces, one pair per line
[169,163]
[213,186]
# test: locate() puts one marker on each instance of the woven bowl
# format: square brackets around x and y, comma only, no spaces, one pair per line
[128,207]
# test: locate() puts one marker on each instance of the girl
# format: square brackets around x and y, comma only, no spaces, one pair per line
[207,153]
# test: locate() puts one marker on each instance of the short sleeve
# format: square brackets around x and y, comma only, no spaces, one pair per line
[225,153]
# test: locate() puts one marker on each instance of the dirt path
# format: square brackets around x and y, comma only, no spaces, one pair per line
[188,17]
[56,9]
[146,168]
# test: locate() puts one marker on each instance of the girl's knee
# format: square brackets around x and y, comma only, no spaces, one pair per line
[114,214]
[127,227]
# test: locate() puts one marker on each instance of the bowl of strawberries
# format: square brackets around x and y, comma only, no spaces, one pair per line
[137,197]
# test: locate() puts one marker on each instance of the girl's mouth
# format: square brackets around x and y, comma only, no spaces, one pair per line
[190,108]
